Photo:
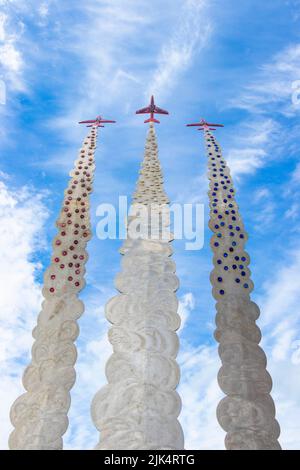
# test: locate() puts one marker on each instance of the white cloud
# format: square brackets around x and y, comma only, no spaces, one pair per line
[22,215]
[186,305]
[101,45]
[251,147]
[268,94]
[280,321]
[292,212]
[2,29]
[261,193]
[283,291]
[296,174]
[245,160]
[198,388]
[190,34]
[264,208]
[126,57]
[200,395]
[272,89]
[43,9]
[10,58]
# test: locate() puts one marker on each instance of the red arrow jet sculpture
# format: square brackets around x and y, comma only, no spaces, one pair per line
[205,125]
[151,109]
[96,122]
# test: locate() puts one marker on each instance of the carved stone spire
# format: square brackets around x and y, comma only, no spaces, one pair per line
[40,415]
[247,413]
[138,409]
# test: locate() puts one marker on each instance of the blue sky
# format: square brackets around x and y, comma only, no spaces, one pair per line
[232,62]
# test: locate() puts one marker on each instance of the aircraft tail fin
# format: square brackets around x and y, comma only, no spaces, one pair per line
[152,120]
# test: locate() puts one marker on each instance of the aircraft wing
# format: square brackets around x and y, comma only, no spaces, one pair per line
[191,125]
[87,122]
[160,110]
[215,125]
[143,110]
[105,120]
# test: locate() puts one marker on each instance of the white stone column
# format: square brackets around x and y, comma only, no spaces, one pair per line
[138,409]
[247,413]
[40,415]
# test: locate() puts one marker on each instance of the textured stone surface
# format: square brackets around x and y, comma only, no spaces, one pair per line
[139,406]
[247,413]
[40,415]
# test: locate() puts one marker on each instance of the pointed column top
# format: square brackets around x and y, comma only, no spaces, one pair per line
[150,188]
